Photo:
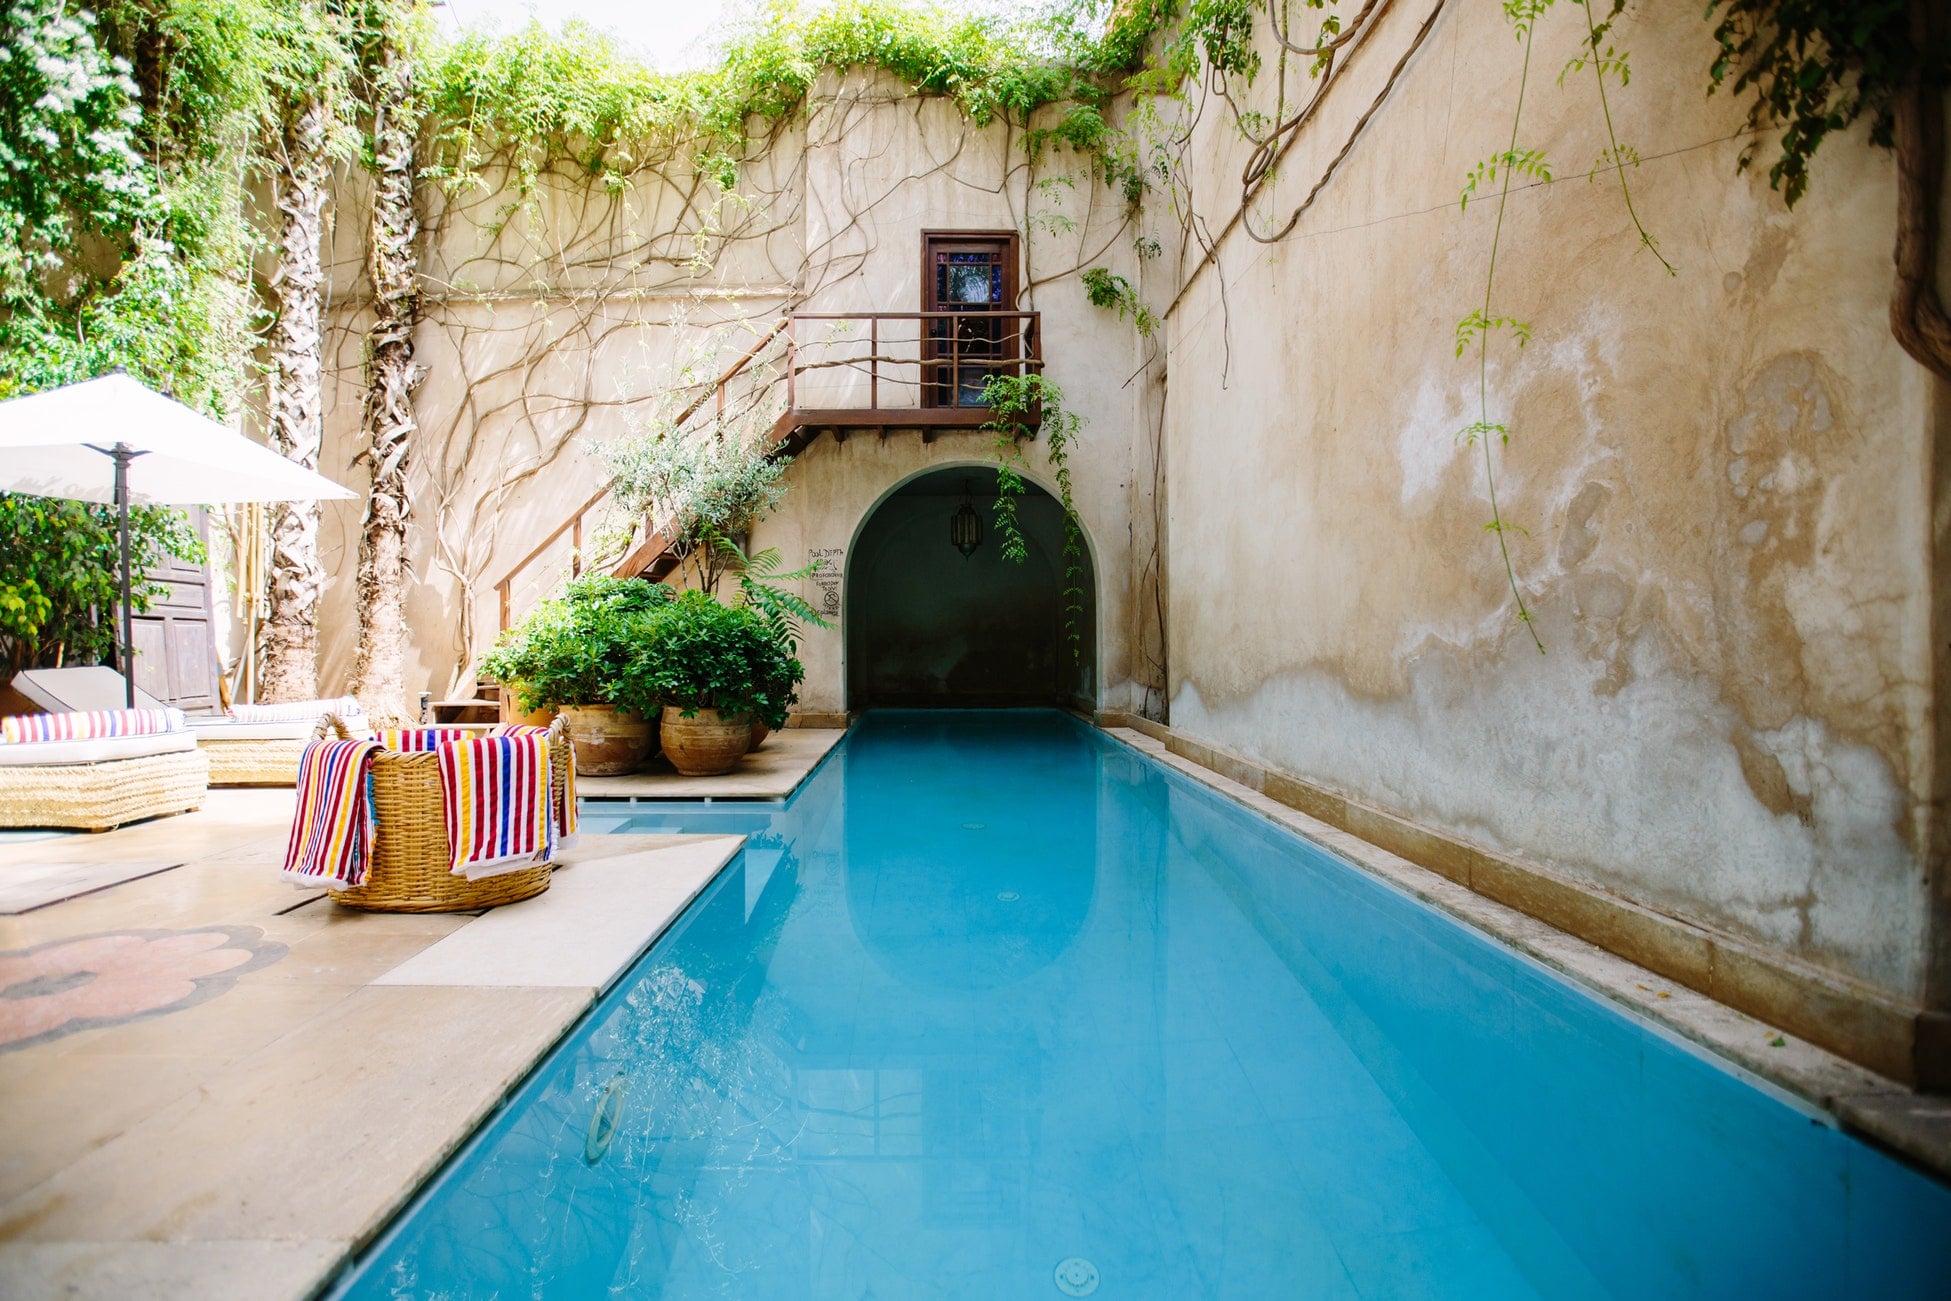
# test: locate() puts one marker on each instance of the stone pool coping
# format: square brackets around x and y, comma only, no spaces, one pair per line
[250,1143]
[1910,1125]
[780,767]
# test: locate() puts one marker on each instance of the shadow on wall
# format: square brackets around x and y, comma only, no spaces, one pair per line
[925,626]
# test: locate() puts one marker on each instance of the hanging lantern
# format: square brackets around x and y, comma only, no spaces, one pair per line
[965,526]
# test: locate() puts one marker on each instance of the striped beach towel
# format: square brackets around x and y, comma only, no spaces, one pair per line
[495,791]
[299,711]
[332,832]
[89,725]
[414,740]
[562,795]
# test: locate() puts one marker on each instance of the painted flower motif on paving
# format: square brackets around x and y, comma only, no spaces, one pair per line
[91,981]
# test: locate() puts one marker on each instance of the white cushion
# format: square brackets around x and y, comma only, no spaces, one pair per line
[59,691]
[224,729]
[39,754]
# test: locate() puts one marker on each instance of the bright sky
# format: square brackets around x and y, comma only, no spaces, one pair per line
[671,34]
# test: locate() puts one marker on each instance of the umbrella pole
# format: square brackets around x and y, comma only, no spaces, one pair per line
[123,455]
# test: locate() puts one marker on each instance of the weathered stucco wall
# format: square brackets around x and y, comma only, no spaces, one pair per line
[548,333]
[1721,477]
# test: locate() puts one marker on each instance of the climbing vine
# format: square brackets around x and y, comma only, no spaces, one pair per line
[1815,67]
[1104,288]
[134,135]
[1031,406]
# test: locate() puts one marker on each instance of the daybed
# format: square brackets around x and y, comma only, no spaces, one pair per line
[259,745]
[98,769]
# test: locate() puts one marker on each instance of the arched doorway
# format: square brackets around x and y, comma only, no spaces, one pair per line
[927,626]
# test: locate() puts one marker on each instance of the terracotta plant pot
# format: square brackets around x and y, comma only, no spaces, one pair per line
[707,743]
[759,733]
[512,711]
[609,742]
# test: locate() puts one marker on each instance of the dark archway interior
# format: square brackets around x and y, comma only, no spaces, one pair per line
[924,626]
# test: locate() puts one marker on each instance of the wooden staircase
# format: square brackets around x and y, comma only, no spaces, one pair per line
[949,351]
[483,707]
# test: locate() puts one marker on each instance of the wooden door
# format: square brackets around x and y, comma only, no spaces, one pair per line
[971,273]
[176,639]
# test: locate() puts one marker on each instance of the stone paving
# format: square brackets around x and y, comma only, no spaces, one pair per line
[215,1085]
[772,772]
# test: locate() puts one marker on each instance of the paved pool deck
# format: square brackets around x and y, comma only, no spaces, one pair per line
[254,1079]
[772,772]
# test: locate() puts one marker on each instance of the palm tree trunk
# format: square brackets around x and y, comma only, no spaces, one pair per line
[393,262]
[288,640]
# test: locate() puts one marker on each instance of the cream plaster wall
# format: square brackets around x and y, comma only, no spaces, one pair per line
[544,333]
[1722,476]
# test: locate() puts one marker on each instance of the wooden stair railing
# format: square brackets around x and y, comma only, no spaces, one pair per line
[653,547]
[944,353]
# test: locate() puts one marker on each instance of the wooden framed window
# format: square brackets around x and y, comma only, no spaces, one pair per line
[973,275]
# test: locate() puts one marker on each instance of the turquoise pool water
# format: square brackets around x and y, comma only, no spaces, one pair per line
[995,1007]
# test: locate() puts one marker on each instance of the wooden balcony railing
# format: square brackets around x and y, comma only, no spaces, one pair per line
[573,526]
[902,369]
[843,370]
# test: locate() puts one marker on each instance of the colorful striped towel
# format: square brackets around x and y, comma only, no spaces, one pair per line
[416,739]
[562,801]
[332,832]
[89,725]
[298,711]
[495,791]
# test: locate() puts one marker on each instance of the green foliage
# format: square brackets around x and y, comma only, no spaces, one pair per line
[1109,290]
[1480,326]
[703,487]
[759,577]
[1817,66]
[128,133]
[542,96]
[579,650]
[1528,163]
[1029,405]
[60,572]
[699,654]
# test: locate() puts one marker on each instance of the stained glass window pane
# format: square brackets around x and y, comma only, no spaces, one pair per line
[969,284]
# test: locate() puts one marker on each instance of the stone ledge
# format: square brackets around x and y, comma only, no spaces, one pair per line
[1600,942]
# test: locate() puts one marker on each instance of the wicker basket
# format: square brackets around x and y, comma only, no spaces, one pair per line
[266,762]
[409,872]
[98,796]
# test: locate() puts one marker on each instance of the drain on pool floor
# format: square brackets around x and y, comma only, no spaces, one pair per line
[1076,1277]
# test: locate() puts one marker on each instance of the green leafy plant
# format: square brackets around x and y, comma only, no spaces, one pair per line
[700,654]
[759,577]
[1028,406]
[702,488]
[60,573]
[580,649]
[1815,67]
[1104,288]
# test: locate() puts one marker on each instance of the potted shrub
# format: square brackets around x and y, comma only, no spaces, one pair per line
[712,668]
[576,655]
[782,612]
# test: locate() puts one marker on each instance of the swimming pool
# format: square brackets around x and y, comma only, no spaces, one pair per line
[995,1007]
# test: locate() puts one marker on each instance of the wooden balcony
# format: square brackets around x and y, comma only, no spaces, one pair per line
[882,371]
[842,372]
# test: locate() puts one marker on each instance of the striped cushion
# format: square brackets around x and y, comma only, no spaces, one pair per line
[298,711]
[88,725]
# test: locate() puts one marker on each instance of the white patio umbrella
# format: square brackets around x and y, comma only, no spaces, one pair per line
[114,440]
